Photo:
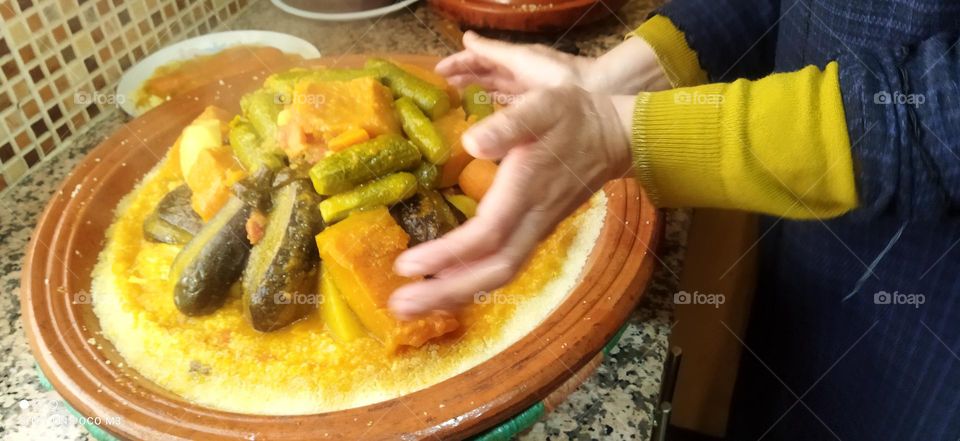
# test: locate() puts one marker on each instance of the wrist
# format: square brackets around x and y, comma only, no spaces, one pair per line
[622,110]
[629,68]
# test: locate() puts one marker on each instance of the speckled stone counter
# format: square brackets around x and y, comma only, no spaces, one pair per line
[615,403]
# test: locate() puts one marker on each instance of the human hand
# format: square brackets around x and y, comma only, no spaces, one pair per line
[508,68]
[558,146]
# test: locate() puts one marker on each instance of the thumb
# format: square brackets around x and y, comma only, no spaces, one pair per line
[524,122]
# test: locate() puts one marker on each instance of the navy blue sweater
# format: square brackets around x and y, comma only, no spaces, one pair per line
[855,333]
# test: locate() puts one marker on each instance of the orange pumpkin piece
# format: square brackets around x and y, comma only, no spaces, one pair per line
[210,179]
[451,127]
[359,252]
[326,109]
[477,178]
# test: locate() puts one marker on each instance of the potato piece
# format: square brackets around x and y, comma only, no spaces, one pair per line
[359,253]
[208,130]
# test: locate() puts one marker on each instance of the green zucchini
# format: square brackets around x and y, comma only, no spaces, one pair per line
[477,102]
[421,131]
[431,99]
[261,108]
[427,174]
[248,147]
[279,282]
[348,168]
[387,190]
[424,217]
[212,261]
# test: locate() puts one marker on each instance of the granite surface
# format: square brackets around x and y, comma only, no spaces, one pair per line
[615,403]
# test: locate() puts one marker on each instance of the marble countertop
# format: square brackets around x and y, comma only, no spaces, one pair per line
[615,403]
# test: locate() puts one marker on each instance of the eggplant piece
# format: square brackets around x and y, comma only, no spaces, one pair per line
[280,279]
[161,231]
[212,261]
[173,221]
[424,217]
[255,189]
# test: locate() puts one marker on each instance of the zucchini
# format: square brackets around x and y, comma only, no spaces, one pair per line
[387,190]
[173,221]
[477,102]
[261,109]
[434,101]
[346,169]
[425,217]
[279,282]
[255,189]
[421,131]
[427,174]
[247,147]
[212,261]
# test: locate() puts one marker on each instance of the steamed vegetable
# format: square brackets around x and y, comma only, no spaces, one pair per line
[477,102]
[173,221]
[463,203]
[261,109]
[387,190]
[421,131]
[282,84]
[427,174]
[279,282]
[212,261]
[477,178]
[344,170]
[425,217]
[247,147]
[431,99]
[359,253]
[210,179]
[340,320]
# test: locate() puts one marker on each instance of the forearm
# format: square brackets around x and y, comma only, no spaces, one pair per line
[777,145]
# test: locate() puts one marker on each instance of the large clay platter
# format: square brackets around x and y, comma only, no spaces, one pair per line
[83,366]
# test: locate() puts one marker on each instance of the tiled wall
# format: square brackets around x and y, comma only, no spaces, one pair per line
[57,54]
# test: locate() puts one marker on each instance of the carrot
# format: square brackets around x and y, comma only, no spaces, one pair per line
[348,138]
[477,177]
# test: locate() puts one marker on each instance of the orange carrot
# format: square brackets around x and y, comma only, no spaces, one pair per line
[477,178]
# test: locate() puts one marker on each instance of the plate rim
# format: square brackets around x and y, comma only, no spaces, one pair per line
[343,16]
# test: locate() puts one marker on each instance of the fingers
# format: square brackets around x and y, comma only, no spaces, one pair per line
[464,62]
[497,216]
[524,122]
[458,286]
[507,54]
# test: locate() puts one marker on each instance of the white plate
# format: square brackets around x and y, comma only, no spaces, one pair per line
[133,78]
[343,16]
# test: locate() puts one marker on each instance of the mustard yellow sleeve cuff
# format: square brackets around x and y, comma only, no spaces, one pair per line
[778,145]
[678,61]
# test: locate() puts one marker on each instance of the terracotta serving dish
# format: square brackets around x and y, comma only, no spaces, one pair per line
[83,366]
[526,15]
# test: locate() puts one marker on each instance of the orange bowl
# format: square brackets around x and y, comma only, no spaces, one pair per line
[86,370]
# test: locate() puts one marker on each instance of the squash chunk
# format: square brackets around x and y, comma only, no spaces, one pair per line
[359,252]
[327,109]
[340,320]
[214,171]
